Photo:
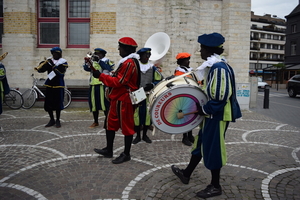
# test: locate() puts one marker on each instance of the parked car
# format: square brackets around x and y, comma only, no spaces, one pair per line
[293,86]
[261,84]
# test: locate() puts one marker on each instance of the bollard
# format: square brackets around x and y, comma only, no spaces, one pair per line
[266,97]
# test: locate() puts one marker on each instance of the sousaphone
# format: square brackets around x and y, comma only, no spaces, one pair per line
[159,43]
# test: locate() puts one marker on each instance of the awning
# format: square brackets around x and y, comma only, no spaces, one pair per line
[259,72]
[293,67]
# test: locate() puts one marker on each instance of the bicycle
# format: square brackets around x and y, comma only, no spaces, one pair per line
[13,99]
[31,95]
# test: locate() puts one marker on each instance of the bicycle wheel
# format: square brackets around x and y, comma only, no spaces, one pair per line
[67,98]
[14,99]
[29,97]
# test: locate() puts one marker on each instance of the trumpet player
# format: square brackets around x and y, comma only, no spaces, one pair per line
[97,100]
[4,86]
[56,67]
[120,116]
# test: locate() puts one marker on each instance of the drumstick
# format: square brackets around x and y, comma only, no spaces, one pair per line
[180,115]
[153,131]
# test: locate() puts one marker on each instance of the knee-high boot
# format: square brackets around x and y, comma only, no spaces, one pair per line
[110,137]
[137,139]
[127,141]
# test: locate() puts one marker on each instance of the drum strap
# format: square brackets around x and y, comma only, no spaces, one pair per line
[235,108]
[139,71]
[138,79]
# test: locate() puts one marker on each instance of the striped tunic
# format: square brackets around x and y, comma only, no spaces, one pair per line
[221,108]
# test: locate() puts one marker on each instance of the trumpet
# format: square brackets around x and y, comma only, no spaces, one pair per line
[90,57]
[3,56]
[41,64]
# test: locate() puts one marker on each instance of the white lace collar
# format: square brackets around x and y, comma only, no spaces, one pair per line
[200,71]
[179,68]
[104,59]
[133,55]
[145,67]
[59,61]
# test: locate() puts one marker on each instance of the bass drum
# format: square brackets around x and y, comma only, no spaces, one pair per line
[171,97]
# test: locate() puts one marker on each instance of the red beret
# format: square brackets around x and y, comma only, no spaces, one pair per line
[183,55]
[128,41]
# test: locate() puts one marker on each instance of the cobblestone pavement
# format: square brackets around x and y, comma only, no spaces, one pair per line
[59,163]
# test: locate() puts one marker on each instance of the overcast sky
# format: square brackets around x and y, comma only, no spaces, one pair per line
[281,8]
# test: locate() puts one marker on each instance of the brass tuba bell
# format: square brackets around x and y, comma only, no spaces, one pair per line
[159,43]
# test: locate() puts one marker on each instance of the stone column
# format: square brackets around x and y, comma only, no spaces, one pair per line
[236,20]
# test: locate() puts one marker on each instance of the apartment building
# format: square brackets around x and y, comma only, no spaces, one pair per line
[267,44]
[292,50]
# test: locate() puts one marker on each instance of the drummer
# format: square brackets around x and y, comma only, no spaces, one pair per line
[150,76]
[221,108]
[183,61]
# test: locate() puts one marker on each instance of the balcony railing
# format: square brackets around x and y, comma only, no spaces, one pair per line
[267,59]
[269,28]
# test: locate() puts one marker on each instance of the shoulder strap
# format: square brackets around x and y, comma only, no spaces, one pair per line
[231,75]
[139,71]
[185,69]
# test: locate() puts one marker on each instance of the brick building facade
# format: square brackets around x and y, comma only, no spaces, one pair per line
[110,20]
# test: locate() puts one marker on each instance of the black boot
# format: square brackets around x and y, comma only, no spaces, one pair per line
[104,152]
[185,140]
[57,123]
[125,156]
[191,137]
[50,123]
[107,152]
[137,139]
[145,137]
[122,158]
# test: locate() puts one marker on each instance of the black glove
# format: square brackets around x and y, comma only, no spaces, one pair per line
[169,77]
[148,87]
[50,62]
[199,108]
[96,58]
[96,73]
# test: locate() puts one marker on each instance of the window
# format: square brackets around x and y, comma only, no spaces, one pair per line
[252,66]
[264,66]
[293,48]
[76,18]
[254,26]
[78,23]
[274,56]
[262,45]
[294,28]
[1,21]
[281,47]
[258,66]
[275,37]
[48,23]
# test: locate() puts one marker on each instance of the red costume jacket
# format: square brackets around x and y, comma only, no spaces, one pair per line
[124,78]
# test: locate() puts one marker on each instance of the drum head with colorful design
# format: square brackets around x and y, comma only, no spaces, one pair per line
[181,99]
